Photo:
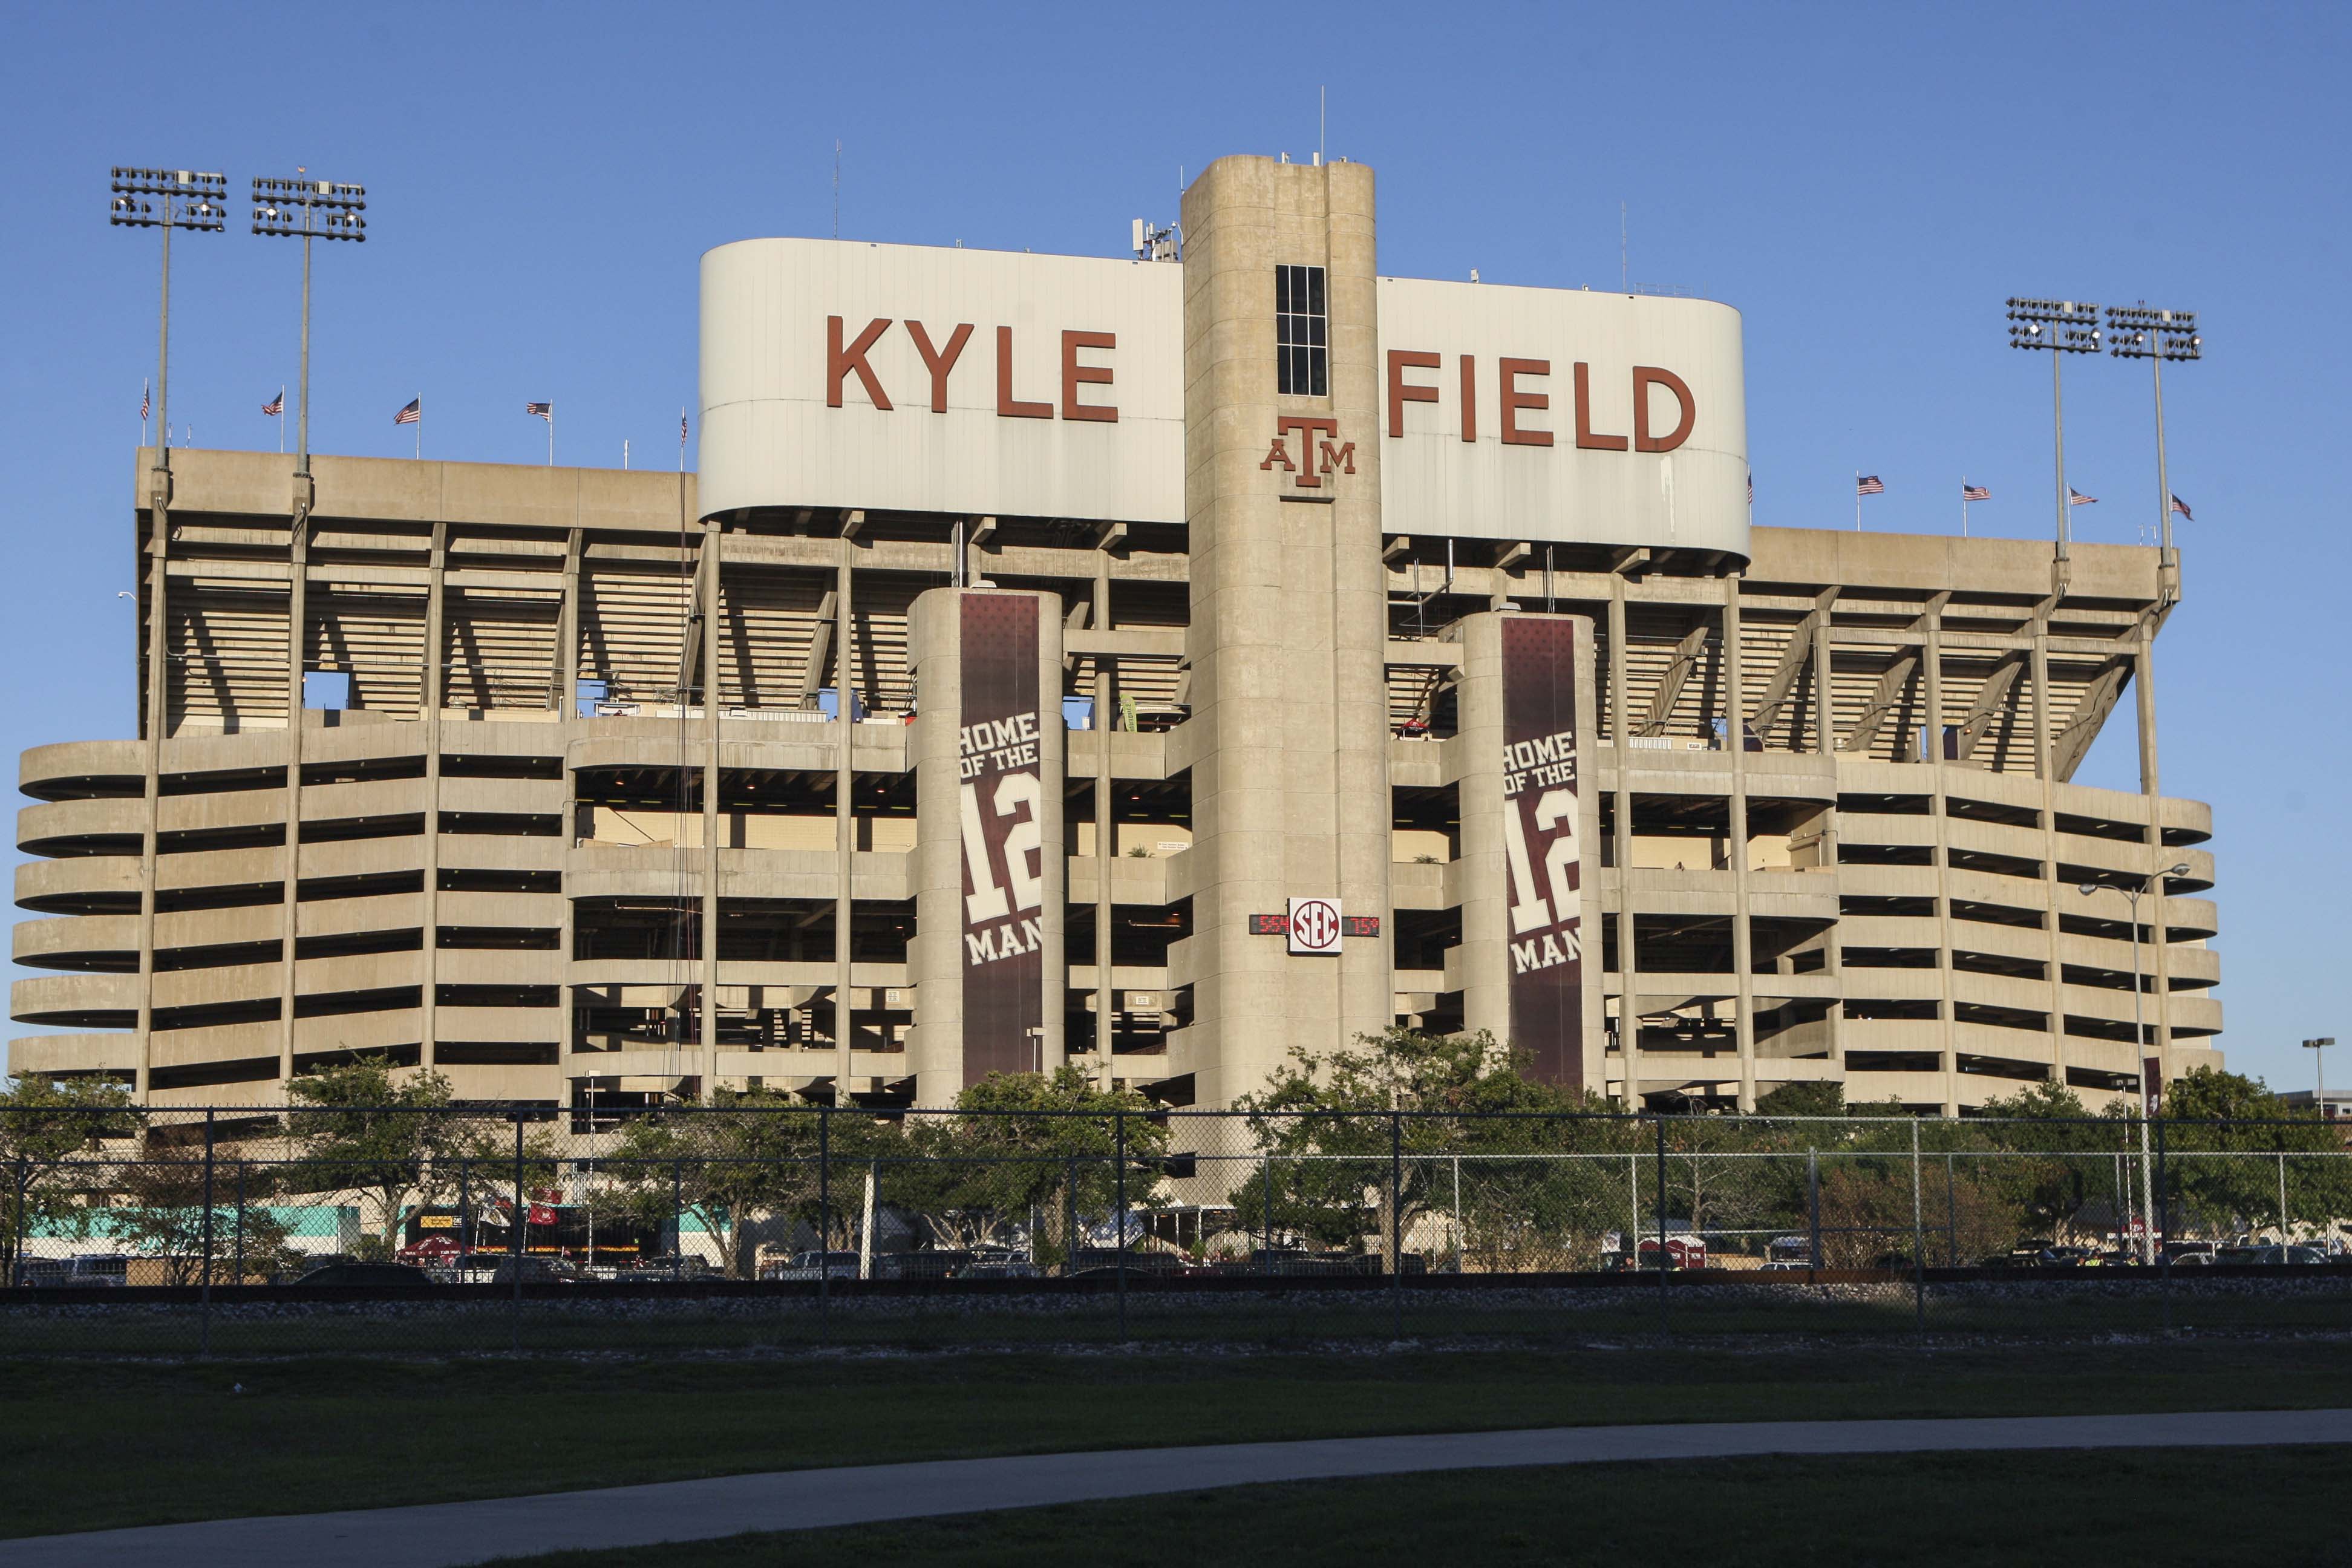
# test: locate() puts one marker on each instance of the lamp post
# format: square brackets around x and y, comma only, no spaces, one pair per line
[167,199]
[2151,1068]
[307,210]
[2137,332]
[2063,327]
[2318,1049]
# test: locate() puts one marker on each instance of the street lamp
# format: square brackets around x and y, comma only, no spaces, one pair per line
[2318,1049]
[307,210]
[167,199]
[2136,332]
[2151,1068]
[2063,327]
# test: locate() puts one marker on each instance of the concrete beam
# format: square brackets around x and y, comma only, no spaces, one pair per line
[2072,742]
[1670,684]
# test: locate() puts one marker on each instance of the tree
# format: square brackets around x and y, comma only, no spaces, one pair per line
[2057,1159]
[2235,1152]
[49,1130]
[1030,1144]
[1528,1152]
[746,1155]
[1818,1097]
[396,1141]
[162,1212]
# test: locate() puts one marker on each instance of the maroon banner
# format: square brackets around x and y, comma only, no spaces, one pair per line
[1541,784]
[1004,852]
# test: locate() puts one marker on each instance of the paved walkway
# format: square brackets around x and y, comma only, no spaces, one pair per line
[445,1535]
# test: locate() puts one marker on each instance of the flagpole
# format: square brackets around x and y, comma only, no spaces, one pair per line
[550,434]
[1964,506]
[420,429]
[625,454]
[1857,500]
[146,388]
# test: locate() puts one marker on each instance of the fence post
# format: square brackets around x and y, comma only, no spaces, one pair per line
[1951,1215]
[467,1238]
[240,1222]
[1919,1240]
[1070,1216]
[2282,1190]
[514,1241]
[1665,1259]
[824,1223]
[205,1328]
[1396,1226]
[16,1223]
[2163,1218]
[1813,1213]
[1266,1259]
[1118,1161]
[677,1220]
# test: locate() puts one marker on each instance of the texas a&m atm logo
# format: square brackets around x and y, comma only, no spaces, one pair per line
[1319,455]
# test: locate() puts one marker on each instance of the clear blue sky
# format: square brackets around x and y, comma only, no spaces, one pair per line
[1867,184]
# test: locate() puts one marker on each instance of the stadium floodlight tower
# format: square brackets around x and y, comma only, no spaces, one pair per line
[308,209]
[2137,332]
[2064,327]
[167,199]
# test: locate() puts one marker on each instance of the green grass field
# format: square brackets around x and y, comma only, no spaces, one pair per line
[2275,1508]
[91,1445]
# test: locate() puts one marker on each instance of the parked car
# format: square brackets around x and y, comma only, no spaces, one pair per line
[1000,1268]
[535,1270]
[88,1270]
[2270,1257]
[370,1275]
[837,1264]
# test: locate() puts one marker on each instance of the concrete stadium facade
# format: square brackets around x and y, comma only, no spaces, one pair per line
[1266,653]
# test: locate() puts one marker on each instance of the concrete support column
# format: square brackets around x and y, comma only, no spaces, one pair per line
[567,708]
[2144,680]
[429,701]
[713,548]
[1743,934]
[1825,744]
[297,617]
[1105,837]
[1947,987]
[1289,623]
[1628,969]
[155,718]
[845,844]
[2053,891]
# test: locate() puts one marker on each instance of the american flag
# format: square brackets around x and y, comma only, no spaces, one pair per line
[1868,484]
[276,406]
[681,439]
[544,410]
[1974,492]
[145,392]
[2076,498]
[411,414]
[2182,507]
[1751,489]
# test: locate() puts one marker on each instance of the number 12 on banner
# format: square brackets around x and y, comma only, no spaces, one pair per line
[1022,840]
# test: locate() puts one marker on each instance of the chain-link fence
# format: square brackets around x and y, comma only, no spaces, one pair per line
[359,1229]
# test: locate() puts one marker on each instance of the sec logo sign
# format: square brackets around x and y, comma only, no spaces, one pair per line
[1315,926]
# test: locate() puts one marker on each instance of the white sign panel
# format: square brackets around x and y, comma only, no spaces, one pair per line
[1315,926]
[973,383]
[901,378]
[1564,414]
